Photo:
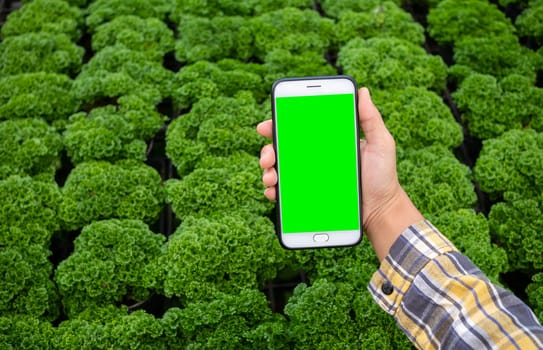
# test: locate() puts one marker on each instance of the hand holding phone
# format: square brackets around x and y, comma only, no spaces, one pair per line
[316,141]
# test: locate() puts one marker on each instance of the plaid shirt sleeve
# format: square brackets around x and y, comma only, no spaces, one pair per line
[441,300]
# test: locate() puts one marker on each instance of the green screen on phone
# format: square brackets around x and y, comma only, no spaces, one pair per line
[317,140]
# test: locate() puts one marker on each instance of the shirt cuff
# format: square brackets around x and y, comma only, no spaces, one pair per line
[415,247]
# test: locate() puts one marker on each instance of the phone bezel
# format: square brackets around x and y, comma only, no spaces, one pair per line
[314,86]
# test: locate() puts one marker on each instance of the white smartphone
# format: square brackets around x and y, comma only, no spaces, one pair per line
[316,140]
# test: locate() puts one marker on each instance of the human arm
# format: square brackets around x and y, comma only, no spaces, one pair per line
[412,253]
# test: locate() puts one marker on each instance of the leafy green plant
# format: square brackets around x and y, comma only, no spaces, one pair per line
[334,8]
[29,204]
[418,118]
[213,38]
[516,225]
[230,321]
[29,147]
[335,272]
[470,233]
[512,162]
[102,11]
[335,311]
[490,107]
[495,55]
[535,294]
[354,265]
[118,71]
[100,190]
[26,332]
[383,20]
[40,95]
[224,78]
[215,126]
[223,253]
[291,29]
[26,287]
[392,63]
[219,184]
[112,132]
[39,52]
[281,63]
[51,16]
[214,8]
[435,180]
[530,22]
[110,328]
[148,35]
[113,262]
[453,20]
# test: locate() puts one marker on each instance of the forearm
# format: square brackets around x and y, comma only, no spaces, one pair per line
[386,225]
[441,300]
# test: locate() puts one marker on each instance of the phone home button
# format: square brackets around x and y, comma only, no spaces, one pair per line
[321,237]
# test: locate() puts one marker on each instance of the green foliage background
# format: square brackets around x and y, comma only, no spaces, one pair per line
[131,205]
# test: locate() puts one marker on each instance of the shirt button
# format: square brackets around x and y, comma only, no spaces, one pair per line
[387,288]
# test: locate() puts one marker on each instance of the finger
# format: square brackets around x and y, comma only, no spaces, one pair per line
[270,193]
[270,177]
[265,128]
[370,118]
[267,157]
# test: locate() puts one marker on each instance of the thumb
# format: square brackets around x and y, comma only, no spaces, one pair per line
[370,118]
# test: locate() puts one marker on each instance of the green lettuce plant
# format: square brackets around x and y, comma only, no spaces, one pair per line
[213,38]
[37,95]
[334,8]
[535,294]
[50,16]
[112,132]
[29,147]
[117,71]
[219,184]
[435,180]
[39,52]
[512,162]
[214,127]
[281,63]
[530,22]
[339,314]
[148,35]
[491,106]
[246,8]
[516,225]
[204,79]
[418,118]
[291,29]
[26,285]
[114,261]
[230,321]
[384,20]
[499,56]
[29,205]
[470,233]
[227,252]
[110,328]
[102,11]
[453,20]
[97,190]
[27,332]
[392,63]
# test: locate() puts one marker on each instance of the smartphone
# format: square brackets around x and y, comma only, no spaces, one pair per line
[316,140]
